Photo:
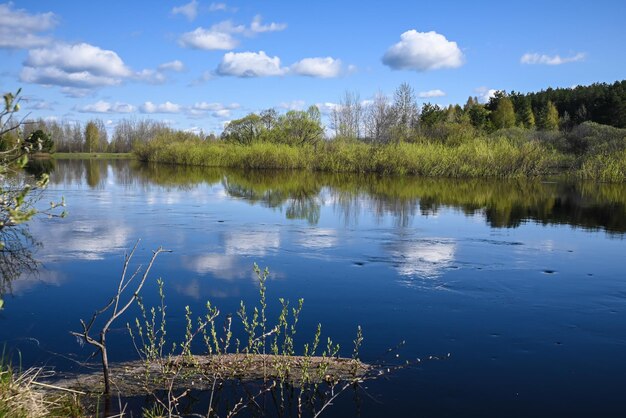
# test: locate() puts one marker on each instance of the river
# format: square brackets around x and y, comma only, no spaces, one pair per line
[522,283]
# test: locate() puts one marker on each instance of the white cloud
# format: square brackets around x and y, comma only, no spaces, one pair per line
[151,76]
[78,65]
[175,65]
[258,27]
[423,51]
[327,67]
[18,28]
[209,39]
[204,106]
[54,76]
[189,10]
[550,60]
[167,107]
[250,64]
[77,58]
[221,35]
[217,110]
[484,94]
[430,94]
[102,106]
[79,68]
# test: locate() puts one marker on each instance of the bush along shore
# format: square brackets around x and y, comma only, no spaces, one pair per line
[510,153]
[576,132]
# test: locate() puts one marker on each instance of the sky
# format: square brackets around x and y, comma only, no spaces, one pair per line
[198,64]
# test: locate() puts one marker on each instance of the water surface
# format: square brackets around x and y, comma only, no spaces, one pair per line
[522,282]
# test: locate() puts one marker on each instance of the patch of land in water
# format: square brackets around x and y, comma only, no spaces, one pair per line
[198,372]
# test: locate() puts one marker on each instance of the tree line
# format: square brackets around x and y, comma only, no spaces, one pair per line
[381,120]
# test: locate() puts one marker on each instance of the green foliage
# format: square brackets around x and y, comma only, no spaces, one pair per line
[15,205]
[475,157]
[40,141]
[549,117]
[525,115]
[479,116]
[504,114]
[431,115]
[92,137]
[244,131]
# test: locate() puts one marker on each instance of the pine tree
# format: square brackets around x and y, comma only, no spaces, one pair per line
[527,117]
[549,117]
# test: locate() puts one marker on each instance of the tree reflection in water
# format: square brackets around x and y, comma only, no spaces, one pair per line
[303,194]
[16,257]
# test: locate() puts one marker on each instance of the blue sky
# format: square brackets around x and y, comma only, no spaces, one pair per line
[197,64]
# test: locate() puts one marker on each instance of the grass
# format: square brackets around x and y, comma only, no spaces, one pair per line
[479,158]
[92,155]
[589,151]
[22,397]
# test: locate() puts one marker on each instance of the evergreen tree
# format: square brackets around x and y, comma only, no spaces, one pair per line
[549,120]
[526,116]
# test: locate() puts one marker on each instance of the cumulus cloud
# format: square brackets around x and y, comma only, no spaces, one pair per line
[102,106]
[430,94]
[167,107]
[250,64]
[484,94]
[423,51]
[78,65]
[175,65]
[222,35]
[259,64]
[79,68]
[19,29]
[189,10]
[77,58]
[550,60]
[327,67]
[151,76]
[258,27]
[209,39]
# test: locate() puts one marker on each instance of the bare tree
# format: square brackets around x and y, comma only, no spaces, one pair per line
[405,111]
[118,309]
[378,119]
[346,118]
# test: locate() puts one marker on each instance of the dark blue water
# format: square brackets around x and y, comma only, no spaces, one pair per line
[523,283]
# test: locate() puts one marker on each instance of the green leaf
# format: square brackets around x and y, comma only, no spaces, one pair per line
[1,304]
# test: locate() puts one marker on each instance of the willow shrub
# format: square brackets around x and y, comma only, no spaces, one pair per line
[604,167]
